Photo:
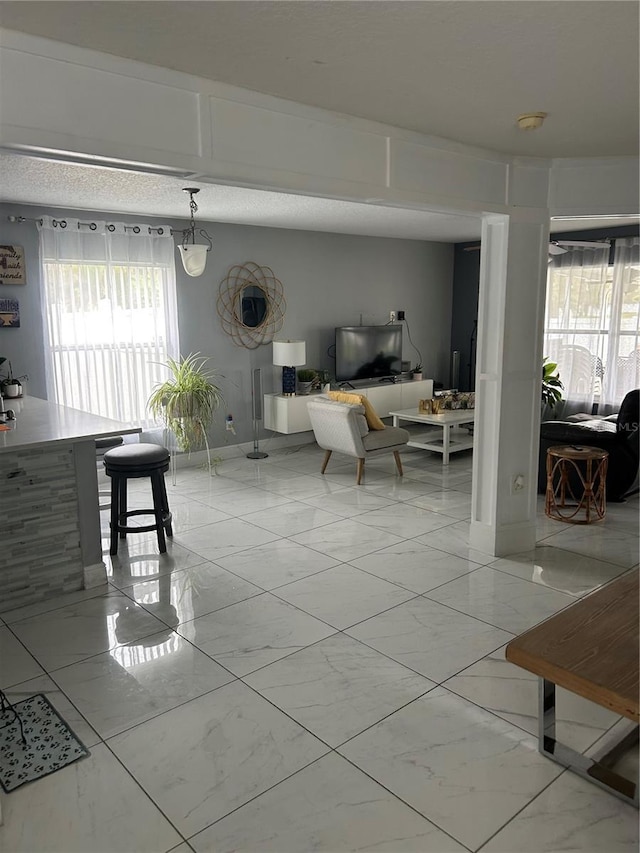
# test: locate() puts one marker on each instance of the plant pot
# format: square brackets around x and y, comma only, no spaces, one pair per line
[417,376]
[12,389]
[304,388]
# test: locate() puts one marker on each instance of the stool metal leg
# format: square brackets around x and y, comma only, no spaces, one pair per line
[122,510]
[165,506]
[115,492]
[158,510]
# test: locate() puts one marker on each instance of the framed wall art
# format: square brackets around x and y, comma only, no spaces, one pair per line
[9,313]
[12,269]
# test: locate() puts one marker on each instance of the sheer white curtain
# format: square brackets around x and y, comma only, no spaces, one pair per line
[109,300]
[623,357]
[577,321]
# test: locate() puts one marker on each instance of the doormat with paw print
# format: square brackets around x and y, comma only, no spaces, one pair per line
[50,743]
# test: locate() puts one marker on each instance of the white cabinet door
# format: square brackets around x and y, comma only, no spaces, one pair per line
[384,398]
[413,392]
[286,414]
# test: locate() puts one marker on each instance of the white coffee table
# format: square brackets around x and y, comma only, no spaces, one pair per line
[447,420]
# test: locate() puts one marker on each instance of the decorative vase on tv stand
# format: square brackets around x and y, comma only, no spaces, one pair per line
[417,371]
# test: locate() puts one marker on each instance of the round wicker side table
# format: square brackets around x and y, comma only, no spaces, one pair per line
[576,484]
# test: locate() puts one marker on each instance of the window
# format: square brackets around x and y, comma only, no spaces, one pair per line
[110,307]
[592,322]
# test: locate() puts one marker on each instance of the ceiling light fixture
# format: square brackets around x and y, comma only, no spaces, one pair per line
[531,121]
[194,255]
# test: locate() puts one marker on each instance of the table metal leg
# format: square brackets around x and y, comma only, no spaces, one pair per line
[595,769]
[446,439]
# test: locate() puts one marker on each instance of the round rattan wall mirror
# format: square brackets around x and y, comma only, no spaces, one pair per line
[251,304]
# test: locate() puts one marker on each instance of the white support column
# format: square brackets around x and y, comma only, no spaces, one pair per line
[513,272]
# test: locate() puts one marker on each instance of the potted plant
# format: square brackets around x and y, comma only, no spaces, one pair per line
[417,371]
[11,385]
[306,378]
[552,387]
[187,401]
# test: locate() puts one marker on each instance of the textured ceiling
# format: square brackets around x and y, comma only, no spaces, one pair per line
[46,183]
[460,70]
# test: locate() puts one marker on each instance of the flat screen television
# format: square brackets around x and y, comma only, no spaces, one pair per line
[368,352]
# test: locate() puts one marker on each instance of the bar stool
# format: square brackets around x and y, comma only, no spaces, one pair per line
[134,461]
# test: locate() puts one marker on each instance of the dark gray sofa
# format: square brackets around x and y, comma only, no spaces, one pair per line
[618,434]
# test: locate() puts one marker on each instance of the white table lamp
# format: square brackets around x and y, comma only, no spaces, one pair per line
[289,355]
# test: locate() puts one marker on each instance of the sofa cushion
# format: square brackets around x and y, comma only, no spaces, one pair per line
[577,433]
[382,439]
[370,413]
[580,417]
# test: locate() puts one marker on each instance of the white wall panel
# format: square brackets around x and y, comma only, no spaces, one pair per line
[593,186]
[58,97]
[529,184]
[243,133]
[447,173]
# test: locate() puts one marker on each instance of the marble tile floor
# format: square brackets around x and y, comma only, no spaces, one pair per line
[314,666]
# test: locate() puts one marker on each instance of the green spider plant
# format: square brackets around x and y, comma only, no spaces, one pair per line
[187,401]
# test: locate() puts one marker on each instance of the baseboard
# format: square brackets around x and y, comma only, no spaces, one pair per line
[94,575]
[502,541]
[198,459]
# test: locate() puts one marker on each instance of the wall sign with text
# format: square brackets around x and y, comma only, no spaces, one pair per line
[12,265]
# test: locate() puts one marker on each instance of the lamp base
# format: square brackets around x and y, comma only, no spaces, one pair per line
[288,381]
[257,454]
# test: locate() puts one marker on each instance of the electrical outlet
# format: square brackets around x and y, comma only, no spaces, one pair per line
[400,315]
[517,483]
[392,316]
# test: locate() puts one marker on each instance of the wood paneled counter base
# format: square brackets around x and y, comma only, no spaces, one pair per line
[591,649]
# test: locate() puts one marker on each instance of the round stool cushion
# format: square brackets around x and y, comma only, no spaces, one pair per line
[109,442]
[131,456]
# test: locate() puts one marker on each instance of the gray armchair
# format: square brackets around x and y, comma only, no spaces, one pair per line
[343,427]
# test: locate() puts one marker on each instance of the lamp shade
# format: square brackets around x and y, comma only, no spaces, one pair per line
[194,258]
[289,353]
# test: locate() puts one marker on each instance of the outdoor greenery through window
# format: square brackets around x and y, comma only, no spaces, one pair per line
[592,323]
[110,307]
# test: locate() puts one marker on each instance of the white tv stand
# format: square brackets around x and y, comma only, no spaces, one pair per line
[289,414]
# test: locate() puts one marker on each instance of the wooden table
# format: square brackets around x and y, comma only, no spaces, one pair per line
[445,420]
[591,649]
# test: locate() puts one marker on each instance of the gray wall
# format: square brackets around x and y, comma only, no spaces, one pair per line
[329,280]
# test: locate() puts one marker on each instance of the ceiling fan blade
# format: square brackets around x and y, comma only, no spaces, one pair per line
[585,244]
[555,249]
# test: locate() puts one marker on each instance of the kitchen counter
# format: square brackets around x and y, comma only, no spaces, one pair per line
[49,516]
[39,423]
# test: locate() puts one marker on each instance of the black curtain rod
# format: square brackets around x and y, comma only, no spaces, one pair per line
[62,223]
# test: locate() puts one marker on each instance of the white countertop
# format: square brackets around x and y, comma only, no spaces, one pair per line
[39,423]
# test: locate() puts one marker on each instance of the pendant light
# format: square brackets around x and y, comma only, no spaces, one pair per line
[194,255]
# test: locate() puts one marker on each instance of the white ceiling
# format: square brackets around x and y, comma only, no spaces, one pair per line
[460,70]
